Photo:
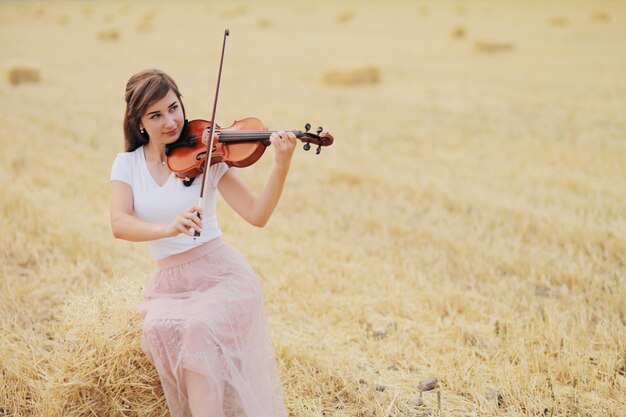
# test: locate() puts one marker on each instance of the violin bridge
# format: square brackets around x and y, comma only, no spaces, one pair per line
[205,135]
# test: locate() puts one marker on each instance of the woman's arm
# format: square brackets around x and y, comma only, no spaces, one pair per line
[258,210]
[125,225]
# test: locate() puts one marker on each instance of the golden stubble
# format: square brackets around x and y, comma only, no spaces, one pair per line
[468,223]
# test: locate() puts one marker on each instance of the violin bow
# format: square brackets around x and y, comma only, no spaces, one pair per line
[209,143]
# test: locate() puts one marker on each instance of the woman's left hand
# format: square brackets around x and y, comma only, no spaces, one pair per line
[284,143]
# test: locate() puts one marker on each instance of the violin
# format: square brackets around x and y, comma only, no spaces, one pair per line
[240,145]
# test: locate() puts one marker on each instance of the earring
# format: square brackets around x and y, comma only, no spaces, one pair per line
[142,130]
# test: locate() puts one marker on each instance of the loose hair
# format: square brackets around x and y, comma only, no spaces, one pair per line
[143,89]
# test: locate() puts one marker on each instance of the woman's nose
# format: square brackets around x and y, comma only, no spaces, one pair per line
[169,120]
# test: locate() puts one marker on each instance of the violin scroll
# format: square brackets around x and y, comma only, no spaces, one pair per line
[320,139]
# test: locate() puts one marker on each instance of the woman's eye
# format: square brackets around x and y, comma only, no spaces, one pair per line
[173,107]
[154,116]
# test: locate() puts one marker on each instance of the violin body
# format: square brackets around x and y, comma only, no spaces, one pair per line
[240,145]
[188,159]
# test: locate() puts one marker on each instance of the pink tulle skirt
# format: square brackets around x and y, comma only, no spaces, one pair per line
[203,313]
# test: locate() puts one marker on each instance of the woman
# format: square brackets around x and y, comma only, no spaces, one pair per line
[203,328]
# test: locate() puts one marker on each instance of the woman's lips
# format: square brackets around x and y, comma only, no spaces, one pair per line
[172,132]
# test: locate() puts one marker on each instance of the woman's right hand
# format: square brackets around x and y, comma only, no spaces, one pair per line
[186,222]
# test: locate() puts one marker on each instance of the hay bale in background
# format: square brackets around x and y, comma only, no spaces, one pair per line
[87,11]
[263,23]
[600,16]
[21,73]
[352,77]
[234,12]
[489,47]
[108,35]
[459,32]
[345,16]
[558,21]
[145,24]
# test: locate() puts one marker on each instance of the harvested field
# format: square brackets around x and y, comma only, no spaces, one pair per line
[468,223]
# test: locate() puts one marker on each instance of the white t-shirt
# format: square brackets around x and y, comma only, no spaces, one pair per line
[161,204]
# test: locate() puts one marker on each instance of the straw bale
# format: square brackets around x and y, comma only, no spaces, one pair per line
[263,23]
[87,11]
[22,73]
[108,35]
[489,47]
[99,366]
[345,17]
[600,16]
[20,383]
[234,12]
[145,24]
[558,21]
[353,77]
[125,8]
[459,32]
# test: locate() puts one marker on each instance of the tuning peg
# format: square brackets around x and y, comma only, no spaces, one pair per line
[319,130]
[318,150]
[307,127]
[307,146]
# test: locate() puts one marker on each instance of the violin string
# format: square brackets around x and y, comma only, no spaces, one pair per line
[251,135]
[246,135]
[245,132]
[255,131]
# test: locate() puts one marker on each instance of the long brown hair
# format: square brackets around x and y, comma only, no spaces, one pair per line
[143,89]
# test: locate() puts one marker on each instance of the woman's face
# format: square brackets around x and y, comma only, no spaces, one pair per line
[164,119]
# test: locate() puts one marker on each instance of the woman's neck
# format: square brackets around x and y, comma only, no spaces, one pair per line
[154,152]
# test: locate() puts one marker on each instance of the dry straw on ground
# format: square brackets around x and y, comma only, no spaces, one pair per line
[467,224]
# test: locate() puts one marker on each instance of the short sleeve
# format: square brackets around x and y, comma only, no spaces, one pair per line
[217,171]
[120,170]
